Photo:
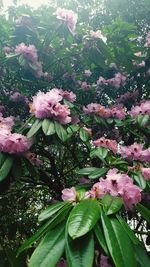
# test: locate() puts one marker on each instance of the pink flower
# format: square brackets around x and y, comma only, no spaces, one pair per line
[8,50]
[118,112]
[87,73]
[131,195]
[69,194]
[68,16]
[31,56]
[16,144]
[117,184]
[47,105]
[146,173]
[104,261]
[118,80]
[70,96]
[143,109]
[101,81]
[34,160]
[85,86]
[107,143]
[98,35]
[6,123]
[88,130]
[132,152]
[92,108]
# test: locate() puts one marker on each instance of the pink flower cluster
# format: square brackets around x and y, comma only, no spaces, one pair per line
[107,143]
[117,81]
[147,44]
[135,152]
[145,173]
[143,109]
[47,105]
[30,54]
[68,16]
[117,111]
[115,184]
[127,97]
[17,97]
[11,143]
[85,86]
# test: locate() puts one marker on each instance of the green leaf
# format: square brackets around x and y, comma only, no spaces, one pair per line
[59,217]
[140,180]
[145,213]
[141,256]
[83,135]
[100,237]
[111,204]
[129,231]
[80,252]
[5,166]
[98,173]
[50,249]
[118,242]
[60,131]
[83,217]
[48,127]
[50,211]
[72,129]
[143,120]
[86,171]
[34,129]
[100,152]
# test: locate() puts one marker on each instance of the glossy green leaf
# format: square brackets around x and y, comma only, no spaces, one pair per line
[72,129]
[80,252]
[98,173]
[141,256]
[50,249]
[83,135]
[6,165]
[128,230]
[83,217]
[52,209]
[111,204]
[48,127]
[60,131]
[142,120]
[140,180]
[86,171]
[100,237]
[34,128]
[118,242]
[100,152]
[58,218]
[145,213]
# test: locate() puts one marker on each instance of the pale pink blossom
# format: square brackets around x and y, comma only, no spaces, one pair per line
[16,144]
[117,184]
[142,109]
[85,86]
[101,81]
[107,143]
[69,17]
[87,73]
[47,105]
[69,194]
[70,96]
[117,81]
[92,108]
[146,173]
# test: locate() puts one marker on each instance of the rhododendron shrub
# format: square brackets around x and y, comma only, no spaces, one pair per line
[74,138]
